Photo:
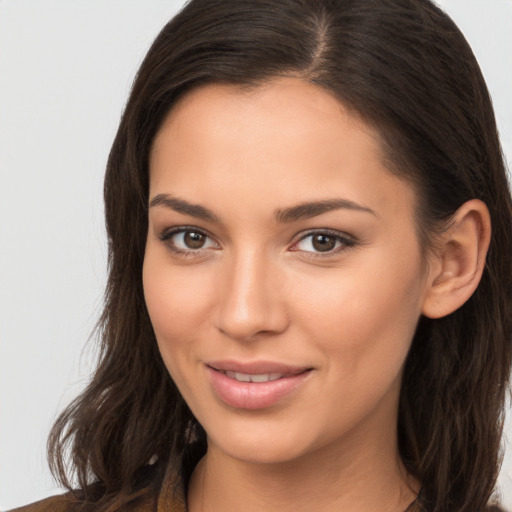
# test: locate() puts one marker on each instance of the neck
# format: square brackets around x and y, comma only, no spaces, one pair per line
[356,477]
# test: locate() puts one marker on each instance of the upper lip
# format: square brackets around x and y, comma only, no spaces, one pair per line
[256,367]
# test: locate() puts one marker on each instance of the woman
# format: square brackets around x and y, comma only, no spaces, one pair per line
[310,287]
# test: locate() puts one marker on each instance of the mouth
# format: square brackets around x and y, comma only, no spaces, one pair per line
[254,385]
[257,368]
[247,377]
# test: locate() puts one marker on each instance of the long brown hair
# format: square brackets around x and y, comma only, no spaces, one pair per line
[405,68]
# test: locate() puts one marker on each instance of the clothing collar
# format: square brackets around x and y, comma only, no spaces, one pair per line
[172,493]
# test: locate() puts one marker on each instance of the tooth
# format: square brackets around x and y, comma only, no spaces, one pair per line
[245,377]
[260,378]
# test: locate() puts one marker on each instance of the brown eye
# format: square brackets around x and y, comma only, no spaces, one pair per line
[194,240]
[188,240]
[323,243]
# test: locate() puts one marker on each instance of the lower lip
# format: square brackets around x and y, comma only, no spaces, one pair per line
[254,395]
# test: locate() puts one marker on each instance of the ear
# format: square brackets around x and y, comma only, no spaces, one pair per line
[458,262]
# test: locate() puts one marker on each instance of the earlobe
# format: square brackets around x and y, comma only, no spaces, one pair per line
[459,260]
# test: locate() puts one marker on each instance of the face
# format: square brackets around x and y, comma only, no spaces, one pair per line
[282,274]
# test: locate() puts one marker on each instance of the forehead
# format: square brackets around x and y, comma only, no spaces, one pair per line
[284,100]
[278,140]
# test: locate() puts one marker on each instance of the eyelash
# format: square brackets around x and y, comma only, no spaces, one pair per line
[167,238]
[345,242]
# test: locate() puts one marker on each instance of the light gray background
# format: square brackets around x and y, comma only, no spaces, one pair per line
[65,72]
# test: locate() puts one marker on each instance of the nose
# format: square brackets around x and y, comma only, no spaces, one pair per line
[251,301]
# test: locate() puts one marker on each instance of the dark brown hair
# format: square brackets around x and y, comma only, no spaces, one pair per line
[406,69]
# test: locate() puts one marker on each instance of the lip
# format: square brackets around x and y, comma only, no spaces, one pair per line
[254,395]
[256,367]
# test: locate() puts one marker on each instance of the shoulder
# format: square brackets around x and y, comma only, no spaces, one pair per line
[61,503]
[151,498]
[146,502]
[161,490]
[68,504]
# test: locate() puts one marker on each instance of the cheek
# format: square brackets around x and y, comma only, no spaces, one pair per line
[177,300]
[364,316]
[362,327]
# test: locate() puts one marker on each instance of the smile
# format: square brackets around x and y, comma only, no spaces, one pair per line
[256,385]
[246,377]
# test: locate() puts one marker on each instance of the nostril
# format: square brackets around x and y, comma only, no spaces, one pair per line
[250,302]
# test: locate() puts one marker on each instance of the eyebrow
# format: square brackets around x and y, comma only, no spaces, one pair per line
[286,215]
[181,206]
[312,209]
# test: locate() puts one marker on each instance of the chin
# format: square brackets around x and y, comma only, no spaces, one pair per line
[264,441]
[264,451]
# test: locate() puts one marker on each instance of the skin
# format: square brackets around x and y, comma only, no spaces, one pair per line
[259,289]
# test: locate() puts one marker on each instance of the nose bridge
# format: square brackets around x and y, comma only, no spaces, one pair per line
[249,299]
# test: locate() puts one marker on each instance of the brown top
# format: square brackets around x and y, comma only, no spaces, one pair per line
[170,498]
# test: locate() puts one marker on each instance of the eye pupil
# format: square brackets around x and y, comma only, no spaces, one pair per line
[194,240]
[323,243]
